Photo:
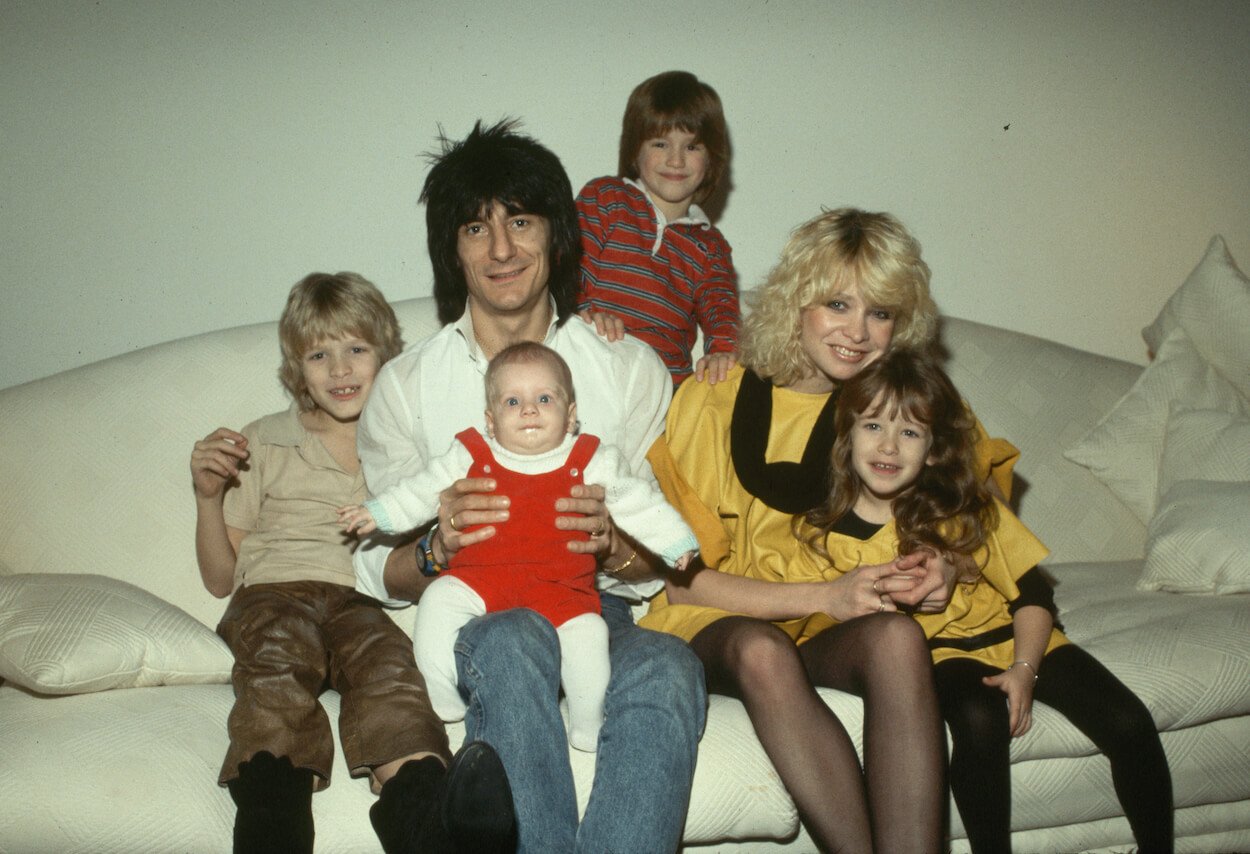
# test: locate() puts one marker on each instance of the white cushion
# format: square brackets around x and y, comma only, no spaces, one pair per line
[1204,444]
[1125,448]
[1212,305]
[1199,541]
[73,634]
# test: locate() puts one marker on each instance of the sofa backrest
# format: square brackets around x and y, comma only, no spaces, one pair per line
[94,461]
[1043,396]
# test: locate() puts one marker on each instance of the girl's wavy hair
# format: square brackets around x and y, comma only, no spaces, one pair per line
[325,307]
[828,254]
[675,100]
[948,508]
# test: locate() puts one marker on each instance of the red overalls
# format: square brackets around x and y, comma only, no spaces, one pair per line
[527,563]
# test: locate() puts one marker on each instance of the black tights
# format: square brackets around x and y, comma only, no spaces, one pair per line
[897,803]
[1074,683]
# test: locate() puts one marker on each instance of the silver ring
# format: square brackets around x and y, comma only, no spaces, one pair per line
[880,607]
[874,583]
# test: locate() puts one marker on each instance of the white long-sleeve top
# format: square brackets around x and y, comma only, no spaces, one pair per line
[636,504]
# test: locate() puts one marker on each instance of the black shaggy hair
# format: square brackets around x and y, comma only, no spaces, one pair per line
[497,164]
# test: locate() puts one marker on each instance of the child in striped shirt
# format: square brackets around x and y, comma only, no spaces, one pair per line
[651,257]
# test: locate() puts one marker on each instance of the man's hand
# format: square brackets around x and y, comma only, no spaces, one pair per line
[587,500]
[215,462]
[609,326]
[469,501]
[714,367]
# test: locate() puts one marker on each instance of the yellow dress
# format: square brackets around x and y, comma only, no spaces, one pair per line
[738,533]
[976,608]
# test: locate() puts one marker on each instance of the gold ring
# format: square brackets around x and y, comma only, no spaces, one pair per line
[452,522]
[598,533]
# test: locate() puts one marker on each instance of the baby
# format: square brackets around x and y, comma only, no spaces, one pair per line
[533,453]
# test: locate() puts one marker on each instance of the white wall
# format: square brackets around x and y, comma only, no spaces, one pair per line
[173,167]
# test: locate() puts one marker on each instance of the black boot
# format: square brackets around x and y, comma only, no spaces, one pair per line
[465,810]
[274,801]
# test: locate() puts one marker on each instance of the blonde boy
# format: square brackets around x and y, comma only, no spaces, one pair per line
[266,535]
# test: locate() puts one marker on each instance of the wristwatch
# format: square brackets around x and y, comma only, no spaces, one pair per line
[426,562]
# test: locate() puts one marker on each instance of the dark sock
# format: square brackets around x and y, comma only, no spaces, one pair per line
[406,816]
[274,806]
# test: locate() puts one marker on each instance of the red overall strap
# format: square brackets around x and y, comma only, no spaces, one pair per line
[583,449]
[478,449]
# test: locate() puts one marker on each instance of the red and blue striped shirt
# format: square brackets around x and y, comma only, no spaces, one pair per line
[664,280]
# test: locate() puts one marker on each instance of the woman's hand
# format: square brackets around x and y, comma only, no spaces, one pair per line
[1017,683]
[469,501]
[870,589]
[587,499]
[215,462]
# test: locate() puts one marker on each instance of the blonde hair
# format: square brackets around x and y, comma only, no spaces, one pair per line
[325,307]
[834,251]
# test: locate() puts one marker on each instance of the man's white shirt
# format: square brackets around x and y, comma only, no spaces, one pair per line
[422,398]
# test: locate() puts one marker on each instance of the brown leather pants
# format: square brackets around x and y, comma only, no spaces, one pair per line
[293,640]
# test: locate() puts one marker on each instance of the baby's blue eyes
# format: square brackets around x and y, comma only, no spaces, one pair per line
[544,398]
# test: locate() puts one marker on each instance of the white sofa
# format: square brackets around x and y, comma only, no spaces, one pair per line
[114,704]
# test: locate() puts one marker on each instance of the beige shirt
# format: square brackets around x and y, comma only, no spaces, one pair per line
[286,500]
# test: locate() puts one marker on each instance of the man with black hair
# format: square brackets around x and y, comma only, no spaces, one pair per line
[504,244]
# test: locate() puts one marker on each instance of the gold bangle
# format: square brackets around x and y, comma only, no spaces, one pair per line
[1026,664]
[626,565]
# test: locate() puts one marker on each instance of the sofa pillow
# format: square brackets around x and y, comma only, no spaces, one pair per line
[1125,448]
[1212,305]
[1198,541]
[1204,444]
[73,634]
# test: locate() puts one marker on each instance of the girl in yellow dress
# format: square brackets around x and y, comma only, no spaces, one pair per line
[904,479]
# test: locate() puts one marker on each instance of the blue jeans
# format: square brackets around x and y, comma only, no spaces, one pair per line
[508,664]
